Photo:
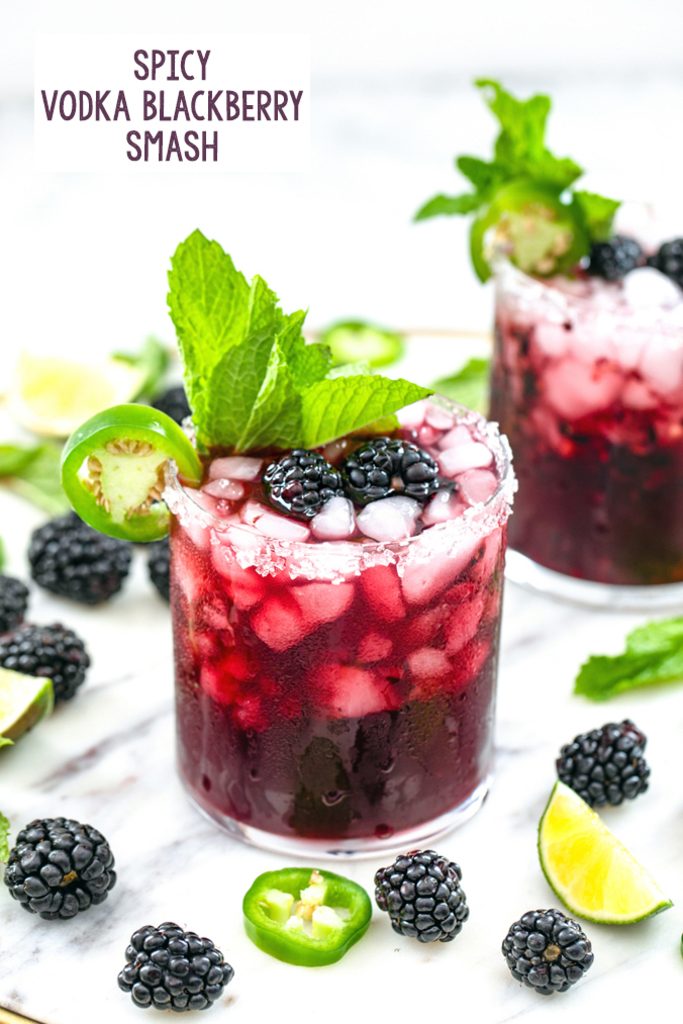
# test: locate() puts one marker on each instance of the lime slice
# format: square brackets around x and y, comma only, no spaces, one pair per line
[354,341]
[590,870]
[51,396]
[24,700]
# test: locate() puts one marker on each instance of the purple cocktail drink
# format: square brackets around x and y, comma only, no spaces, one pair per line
[587,383]
[336,677]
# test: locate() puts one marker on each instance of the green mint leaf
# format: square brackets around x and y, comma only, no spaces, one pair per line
[213,308]
[484,176]
[251,399]
[469,386]
[153,360]
[597,213]
[441,205]
[4,742]
[34,474]
[653,656]
[333,408]
[4,839]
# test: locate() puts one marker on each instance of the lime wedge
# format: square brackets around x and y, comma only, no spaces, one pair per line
[590,870]
[52,396]
[24,700]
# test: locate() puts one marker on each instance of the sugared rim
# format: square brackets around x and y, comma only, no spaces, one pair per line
[300,557]
[562,305]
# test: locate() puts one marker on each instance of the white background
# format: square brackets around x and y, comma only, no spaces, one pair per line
[84,257]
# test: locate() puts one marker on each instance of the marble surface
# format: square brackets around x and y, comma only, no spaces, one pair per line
[107,758]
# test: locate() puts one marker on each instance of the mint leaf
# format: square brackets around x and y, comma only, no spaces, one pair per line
[653,655]
[597,213]
[333,408]
[469,386]
[153,360]
[33,472]
[4,742]
[440,205]
[483,175]
[4,839]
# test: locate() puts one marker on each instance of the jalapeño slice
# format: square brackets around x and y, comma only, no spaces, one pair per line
[532,227]
[304,917]
[113,469]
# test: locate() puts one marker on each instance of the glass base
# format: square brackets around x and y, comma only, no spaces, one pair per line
[371,846]
[529,574]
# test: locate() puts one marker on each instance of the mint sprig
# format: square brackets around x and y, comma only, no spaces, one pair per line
[33,472]
[252,381]
[469,386]
[522,157]
[653,655]
[152,360]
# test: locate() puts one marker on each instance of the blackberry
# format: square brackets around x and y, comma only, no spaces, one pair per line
[174,403]
[669,260]
[300,483]
[13,602]
[172,969]
[614,259]
[421,893]
[606,765]
[386,466]
[71,559]
[59,867]
[49,652]
[158,565]
[547,951]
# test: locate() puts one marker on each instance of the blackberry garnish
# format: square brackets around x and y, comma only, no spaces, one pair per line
[171,969]
[669,260]
[158,565]
[547,951]
[300,483]
[48,652]
[386,466]
[174,403]
[13,602]
[614,259]
[606,766]
[422,895]
[59,867]
[71,559]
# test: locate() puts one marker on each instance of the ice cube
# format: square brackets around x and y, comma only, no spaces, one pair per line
[422,629]
[477,485]
[383,592]
[218,684]
[575,389]
[389,519]
[553,339]
[412,416]
[442,507]
[428,436]
[246,587]
[474,455]
[335,521]
[279,622]
[438,418]
[662,364]
[322,602]
[424,580]
[593,338]
[270,524]
[458,435]
[229,490]
[374,647]
[485,565]
[251,511]
[235,467]
[646,288]
[464,621]
[345,691]
[428,663]
[637,395]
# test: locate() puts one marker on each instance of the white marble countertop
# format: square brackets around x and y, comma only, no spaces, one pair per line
[107,758]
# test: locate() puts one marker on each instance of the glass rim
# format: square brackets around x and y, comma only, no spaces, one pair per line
[511,281]
[479,519]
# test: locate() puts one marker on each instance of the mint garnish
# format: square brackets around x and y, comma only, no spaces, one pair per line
[653,655]
[252,381]
[33,472]
[152,359]
[4,839]
[522,158]
[469,386]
